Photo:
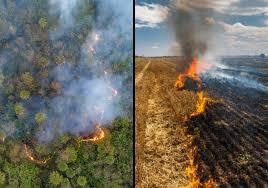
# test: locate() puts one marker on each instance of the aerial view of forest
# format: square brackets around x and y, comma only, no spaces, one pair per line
[66,93]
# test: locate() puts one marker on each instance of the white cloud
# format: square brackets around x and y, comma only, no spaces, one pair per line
[150,15]
[242,39]
[247,11]
[155,47]
[250,32]
[137,25]
[219,6]
[266,22]
[229,7]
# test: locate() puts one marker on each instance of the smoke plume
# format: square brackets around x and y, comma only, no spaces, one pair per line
[89,63]
[192,23]
[89,99]
[65,9]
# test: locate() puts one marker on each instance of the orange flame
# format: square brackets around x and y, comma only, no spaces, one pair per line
[210,183]
[196,67]
[192,172]
[202,101]
[31,158]
[98,135]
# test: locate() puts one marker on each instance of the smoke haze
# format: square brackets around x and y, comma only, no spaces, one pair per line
[89,99]
[86,81]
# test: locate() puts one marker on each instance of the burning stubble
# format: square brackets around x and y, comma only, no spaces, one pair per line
[192,26]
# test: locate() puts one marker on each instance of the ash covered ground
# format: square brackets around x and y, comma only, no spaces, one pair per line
[229,139]
[233,135]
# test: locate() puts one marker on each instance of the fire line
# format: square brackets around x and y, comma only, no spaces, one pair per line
[98,135]
[31,158]
[192,72]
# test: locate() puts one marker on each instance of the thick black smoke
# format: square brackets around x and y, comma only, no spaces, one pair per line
[192,23]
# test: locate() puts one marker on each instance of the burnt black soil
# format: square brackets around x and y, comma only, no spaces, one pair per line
[233,135]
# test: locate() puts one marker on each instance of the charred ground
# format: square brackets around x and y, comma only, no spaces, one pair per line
[229,138]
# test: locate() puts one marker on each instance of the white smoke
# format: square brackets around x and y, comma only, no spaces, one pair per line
[100,38]
[90,99]
[65,8]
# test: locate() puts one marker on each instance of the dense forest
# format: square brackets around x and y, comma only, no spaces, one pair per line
[64,73]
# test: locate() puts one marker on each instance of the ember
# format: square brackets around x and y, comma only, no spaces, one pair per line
[98,135]
[32,158]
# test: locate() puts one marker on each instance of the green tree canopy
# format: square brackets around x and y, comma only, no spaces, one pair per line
[55,178]
[19,109]
[2,78]
[24,94]
[22,174]
[69,155]
[70,173]
[66,183]
[62,166]
[28,79]
[2,178]
[82,180]
[42,23]
[42,61]
[40,117]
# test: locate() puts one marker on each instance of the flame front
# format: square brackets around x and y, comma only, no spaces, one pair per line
[192,72]
[201,103]
[195,68]
[31,158]
[98,135]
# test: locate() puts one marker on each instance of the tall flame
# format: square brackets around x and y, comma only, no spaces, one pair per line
[201,103]
[195,68]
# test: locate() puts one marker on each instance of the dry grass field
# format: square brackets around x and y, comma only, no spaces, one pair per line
[226,145]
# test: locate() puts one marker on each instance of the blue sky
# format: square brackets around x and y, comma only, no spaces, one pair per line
[242,26]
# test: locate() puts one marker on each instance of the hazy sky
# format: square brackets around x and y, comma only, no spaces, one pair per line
[242,26]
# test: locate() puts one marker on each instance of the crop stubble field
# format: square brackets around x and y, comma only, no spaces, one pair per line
[229,138]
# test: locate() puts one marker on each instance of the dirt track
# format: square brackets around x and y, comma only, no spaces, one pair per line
[232,143]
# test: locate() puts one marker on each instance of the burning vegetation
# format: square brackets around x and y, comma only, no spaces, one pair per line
[65,93]
[30,156]
[97,135]
[218,118]
[220,128]
[192,72]
[192,30]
